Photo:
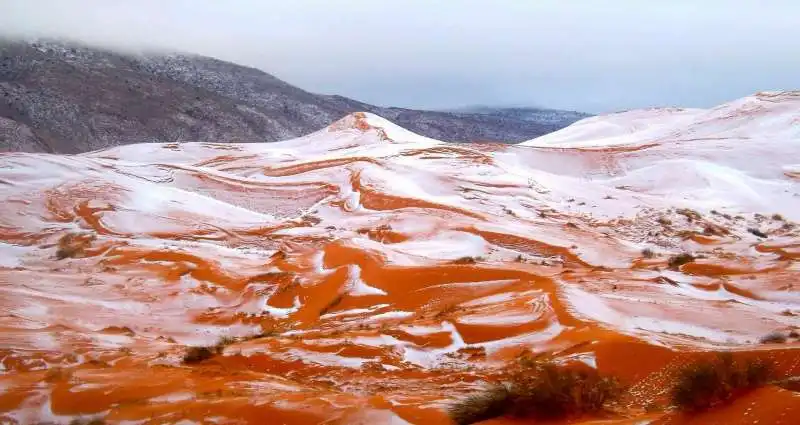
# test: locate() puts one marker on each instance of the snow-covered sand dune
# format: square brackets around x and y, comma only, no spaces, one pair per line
[372,274]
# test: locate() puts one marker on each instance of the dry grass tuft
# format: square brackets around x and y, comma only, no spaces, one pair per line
[680,259]
[664,221]
[73,245]
[691,215]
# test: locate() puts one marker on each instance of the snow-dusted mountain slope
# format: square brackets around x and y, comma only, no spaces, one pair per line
[63,98]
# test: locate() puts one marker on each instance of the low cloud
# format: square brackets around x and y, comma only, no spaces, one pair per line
[591,56]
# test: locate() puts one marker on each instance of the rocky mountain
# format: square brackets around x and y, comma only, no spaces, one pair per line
[65,98]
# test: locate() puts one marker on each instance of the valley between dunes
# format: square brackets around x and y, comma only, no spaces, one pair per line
[367,275]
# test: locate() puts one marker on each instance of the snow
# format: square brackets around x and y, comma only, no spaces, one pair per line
[589,193]
[446,245]
[736,156]
[624,128]
[390,315]
[282,312]
[431,358]
[173,397]
[11,255]
[356,287]
[498,319]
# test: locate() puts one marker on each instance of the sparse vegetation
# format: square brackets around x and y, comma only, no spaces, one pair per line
[265,333]
[446,310]
[648,253]
[82,421]
[664,221]
[198,354]
[706,383]
[777,217]
[223,342]
[773,338]
[794,334]
[727,216]
[73,245]
[332,304]
[540,390]
[680,259]
[757,232]
[714,230]
[487,404]
[468,260]
[690,214]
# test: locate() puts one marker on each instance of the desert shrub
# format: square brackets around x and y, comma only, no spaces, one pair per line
[680,259]
[794,334]
[706,383]
[777,217]
[757,232]
[82,421]
[773,338]
[486,404]
[550,390]
[198,354]
[648,253]
[540,390]
[664,221]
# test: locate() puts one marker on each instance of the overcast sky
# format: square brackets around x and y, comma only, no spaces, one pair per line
[585,55]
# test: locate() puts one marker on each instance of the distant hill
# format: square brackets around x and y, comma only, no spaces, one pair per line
[538,115]
[66,98]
